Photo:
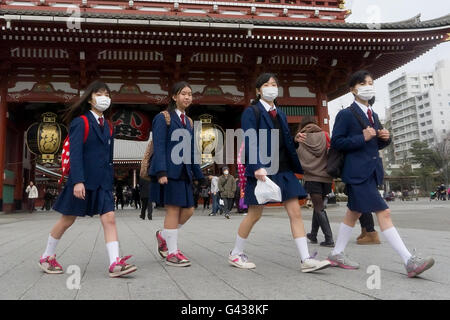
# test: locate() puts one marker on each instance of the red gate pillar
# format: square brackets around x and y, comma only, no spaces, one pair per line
[3,125]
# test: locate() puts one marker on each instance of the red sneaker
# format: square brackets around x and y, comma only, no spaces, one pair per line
[50,265]
[120,267]
[162,245]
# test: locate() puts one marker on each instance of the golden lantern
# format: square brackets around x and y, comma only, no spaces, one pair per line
[45,138]
[208,138]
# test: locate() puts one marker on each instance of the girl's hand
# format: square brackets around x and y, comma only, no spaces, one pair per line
[163,180]
[261,174]
[300,137]
[79,191]
[383,134]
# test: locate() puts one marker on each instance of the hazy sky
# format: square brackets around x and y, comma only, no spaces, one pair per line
[389,11]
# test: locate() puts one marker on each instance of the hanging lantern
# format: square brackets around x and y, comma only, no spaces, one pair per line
[209,136]
[130,124]
[44,138]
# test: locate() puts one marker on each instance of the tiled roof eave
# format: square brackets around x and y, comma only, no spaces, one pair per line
[407,24]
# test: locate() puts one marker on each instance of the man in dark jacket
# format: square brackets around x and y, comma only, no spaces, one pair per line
[145,191]
[227,189]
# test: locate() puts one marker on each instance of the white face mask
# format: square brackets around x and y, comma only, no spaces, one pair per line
[102,103]
[225,172]
[366,92]
[269,93]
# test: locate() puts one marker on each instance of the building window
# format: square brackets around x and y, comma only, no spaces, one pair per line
[428,113]
[442,121]
[442,113]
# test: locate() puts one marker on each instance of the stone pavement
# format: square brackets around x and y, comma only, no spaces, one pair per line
[207,241]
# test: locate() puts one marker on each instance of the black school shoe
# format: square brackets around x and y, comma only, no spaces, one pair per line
[311,238]
[327,244]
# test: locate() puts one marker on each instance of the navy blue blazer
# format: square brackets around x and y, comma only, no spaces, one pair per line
[362,158]
[91,162]
[249,121]
[161,163]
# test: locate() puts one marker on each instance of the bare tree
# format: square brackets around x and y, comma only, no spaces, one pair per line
[442,150]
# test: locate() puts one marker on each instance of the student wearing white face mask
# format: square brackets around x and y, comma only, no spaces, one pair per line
[363,171]
[89,188]
[264,115]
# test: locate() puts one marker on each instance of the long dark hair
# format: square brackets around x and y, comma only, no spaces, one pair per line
[176,89]
[82,105]
[263,78]
[359,77]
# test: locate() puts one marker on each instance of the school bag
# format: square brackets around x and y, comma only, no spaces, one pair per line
[65,155]
[146,160]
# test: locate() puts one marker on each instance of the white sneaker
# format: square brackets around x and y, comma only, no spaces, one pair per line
[240,261]
[311,264]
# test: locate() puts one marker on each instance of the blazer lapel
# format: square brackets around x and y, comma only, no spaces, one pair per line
[265,115]
[95,126]
[363,116]
[176,118]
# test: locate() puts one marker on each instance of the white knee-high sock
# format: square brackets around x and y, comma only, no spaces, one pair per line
[302,247]
[396,242]
[113,251]
[171,236]
[344,235]
[51,246]
[238,246]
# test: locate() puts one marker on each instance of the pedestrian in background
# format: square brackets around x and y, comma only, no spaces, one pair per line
[214,194]
[312,153]
[144,184]
[205,192]
[33,194]
[227,189]
[136,193]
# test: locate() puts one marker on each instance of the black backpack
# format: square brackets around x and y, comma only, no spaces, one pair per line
[335,158]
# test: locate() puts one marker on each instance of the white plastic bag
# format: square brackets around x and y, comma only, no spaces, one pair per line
[267,191]
[221,203]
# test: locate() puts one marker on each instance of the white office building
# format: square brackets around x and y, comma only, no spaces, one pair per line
[419,109]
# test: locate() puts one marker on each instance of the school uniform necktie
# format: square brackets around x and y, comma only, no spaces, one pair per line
[369,115]
[182,120]
[100,120]
[273,113]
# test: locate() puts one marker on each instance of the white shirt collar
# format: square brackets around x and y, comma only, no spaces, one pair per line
[364,108]
[179,113]
[267,106]
[96,116]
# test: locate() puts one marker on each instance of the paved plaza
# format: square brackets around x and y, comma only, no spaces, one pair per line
[207,241]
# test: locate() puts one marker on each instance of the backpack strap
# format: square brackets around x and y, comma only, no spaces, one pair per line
[191,122]
[86,127]
[358,117]
[166,116]
[110,127]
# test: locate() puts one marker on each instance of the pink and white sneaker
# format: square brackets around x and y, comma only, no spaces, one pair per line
[120,267]
[50,265]
[177,259]
[162,245]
